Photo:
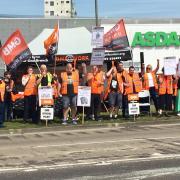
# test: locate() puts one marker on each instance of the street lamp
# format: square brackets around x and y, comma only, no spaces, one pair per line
[96,12]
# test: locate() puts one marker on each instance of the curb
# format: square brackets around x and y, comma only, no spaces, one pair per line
[86,126]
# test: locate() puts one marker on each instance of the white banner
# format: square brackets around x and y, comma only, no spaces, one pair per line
[97,36]
[97,57]
[170,65]
[47,113]
[84,96]
[133,108]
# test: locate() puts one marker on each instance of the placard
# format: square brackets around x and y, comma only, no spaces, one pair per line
[45,94]
[97,57]
[170,65]
[97,36]
[84,96]
[133,108]
[47,113]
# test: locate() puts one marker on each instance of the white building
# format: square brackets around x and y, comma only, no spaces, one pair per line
[61,8]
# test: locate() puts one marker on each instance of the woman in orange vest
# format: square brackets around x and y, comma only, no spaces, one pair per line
[69,82]
[114,91]
[150,83]
[2,92]
[95,80]
[165,93]
[30,92]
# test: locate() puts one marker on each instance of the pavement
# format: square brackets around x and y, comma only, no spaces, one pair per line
[154,121]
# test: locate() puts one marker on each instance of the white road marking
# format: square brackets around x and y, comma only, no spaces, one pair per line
[66,165]
[103,142]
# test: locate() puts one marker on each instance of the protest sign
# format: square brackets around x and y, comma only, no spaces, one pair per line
[97,36]
[133,108]
[45,94]
[170,65]
[97,57]
[84,96]
[47,113]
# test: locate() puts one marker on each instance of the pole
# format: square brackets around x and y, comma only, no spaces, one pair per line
[96,12]
[83,116]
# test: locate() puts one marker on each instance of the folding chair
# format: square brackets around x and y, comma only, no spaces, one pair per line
[145,101]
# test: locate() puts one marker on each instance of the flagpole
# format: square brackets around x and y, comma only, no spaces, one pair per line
[57,49]
[128,43]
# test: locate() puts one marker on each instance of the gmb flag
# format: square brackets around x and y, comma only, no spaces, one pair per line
[15,50]
[51,43]
[116,38]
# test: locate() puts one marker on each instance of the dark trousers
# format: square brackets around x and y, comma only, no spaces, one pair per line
[30,108]
[165,102]
[152,92]
[95,106]
[1,113]
[8,110]
[125,110]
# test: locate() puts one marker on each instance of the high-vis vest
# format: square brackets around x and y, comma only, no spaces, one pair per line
[120,85]
[96,83]
[133,81]
[175,88]
[166,86]
[49,76]
[30,87]
[75,82]
[2,91]
[55,89]
[146,81]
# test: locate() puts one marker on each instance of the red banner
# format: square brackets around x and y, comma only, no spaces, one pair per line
[14,47]
[116,38]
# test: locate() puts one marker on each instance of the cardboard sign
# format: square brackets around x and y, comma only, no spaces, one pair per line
[47,113]
[84,96]
[133,108]
[45,94]
[97,36]
[98,55]
[133,97]
[170,65]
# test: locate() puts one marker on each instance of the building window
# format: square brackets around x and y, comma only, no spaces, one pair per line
[62,2]
[46,2]
[67,11]
[51,3]
[61,12]
[67,2]
[51,13]
[47,12]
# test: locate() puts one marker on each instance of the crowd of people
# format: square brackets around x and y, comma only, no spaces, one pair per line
[114,86]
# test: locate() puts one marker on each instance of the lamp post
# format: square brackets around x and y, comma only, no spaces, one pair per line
[96,12]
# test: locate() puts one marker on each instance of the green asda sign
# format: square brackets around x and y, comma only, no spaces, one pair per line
[156,39]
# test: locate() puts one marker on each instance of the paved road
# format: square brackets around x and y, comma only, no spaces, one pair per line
[129,152]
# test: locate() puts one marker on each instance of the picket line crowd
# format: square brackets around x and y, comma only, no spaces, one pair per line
[115,86]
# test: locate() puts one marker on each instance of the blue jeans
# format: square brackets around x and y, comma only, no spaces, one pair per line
[1,113]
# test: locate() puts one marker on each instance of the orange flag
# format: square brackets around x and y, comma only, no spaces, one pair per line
[51,43]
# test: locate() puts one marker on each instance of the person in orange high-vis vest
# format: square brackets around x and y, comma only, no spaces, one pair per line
[165,93]
[69,82]
[114,91]
[95,80]
[150,83]
[2,92]
[30,92]
[175,89]
[132,85]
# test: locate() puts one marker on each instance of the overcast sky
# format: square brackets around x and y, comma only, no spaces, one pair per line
[107,8]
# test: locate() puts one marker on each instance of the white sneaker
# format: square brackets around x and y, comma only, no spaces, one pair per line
[115,116]
[64,123]
[74,122]
[110,115]
[178,114]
